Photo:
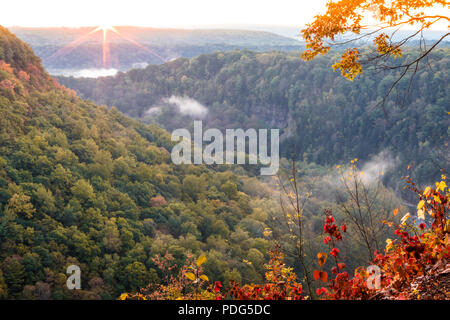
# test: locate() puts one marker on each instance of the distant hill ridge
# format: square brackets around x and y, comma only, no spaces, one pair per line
[136,45]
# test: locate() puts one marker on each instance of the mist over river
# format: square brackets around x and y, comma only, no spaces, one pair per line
[84,73]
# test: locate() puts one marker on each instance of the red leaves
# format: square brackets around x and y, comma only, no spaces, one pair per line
[329,219]
[331,228]
[319,291]
[334,252]
[157,201]
[320,274]
[217,286]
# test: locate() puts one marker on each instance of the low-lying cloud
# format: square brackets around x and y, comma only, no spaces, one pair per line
[377,166]
[84,73]
[186,106]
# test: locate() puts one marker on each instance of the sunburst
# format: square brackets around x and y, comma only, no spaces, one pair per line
[106,56]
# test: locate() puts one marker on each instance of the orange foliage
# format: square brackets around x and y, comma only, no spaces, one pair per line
[5,67]
[348,16]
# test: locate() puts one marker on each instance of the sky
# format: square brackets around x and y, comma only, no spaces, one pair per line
[160,13]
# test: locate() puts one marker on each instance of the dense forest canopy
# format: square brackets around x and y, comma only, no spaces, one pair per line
[325,118]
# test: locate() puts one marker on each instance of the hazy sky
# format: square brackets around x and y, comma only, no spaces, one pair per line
[158,13]
[161,13]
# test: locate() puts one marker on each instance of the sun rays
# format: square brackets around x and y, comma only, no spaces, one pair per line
[106,30]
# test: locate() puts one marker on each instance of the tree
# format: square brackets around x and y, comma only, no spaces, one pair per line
[3,288]
[292,203]
[83,191]
[14,274]
[366,204]
[348,16]
[20,204]
[111,240]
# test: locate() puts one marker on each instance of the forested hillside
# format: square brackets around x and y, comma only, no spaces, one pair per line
[81,184]
[326,119]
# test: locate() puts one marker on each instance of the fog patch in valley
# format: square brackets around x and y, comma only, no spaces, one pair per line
[184,105]
[377,166]
[84,73]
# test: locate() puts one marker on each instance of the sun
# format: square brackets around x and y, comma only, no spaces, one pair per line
[106,27]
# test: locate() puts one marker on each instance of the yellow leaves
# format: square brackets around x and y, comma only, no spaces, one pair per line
[190,276]
[267,232]
[421,204]
[196,277]
[123,296]
[314,49]
[405,218]
[201,260]
[247,262]
[385,48]
[321,258]
[437,199]
[427,191]
[390,224]
[349,65]
[21,204]
[389,244]
[441,186]
[204,277]
[421,214]
[361,272]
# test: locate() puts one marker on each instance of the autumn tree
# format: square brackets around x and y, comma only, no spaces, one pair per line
[292,202]
[366,205]
[378,20]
